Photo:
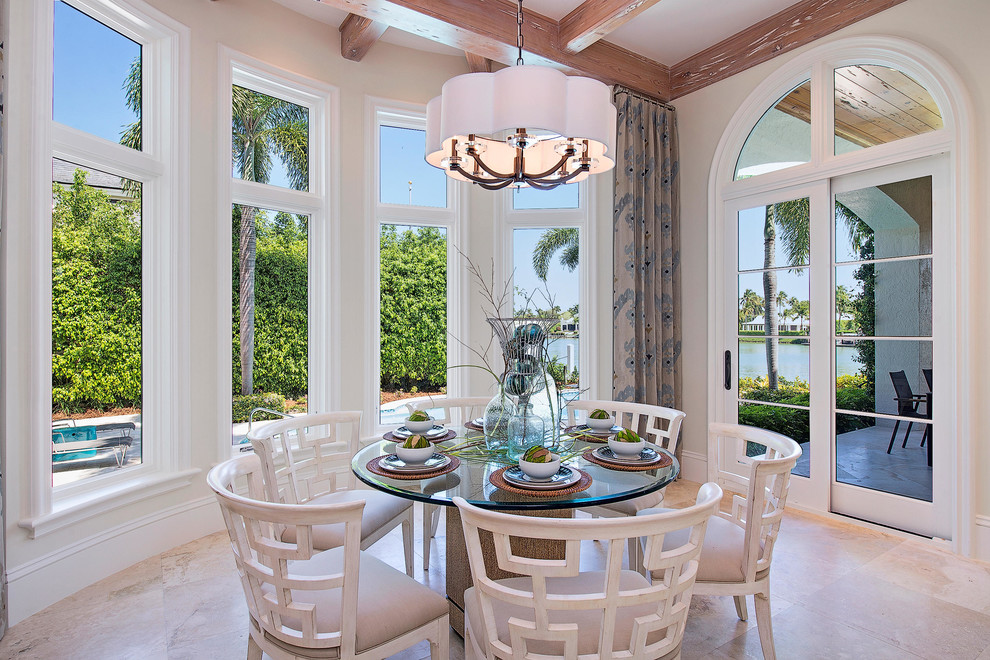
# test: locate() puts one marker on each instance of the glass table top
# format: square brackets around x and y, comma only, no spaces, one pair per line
[470,481]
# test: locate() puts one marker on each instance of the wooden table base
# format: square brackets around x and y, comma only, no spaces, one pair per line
[458,568]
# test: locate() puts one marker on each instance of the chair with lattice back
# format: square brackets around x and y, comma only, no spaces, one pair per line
[657,424]
[455,412]
[307,460]
[563,607]
[735,560]
[307,603]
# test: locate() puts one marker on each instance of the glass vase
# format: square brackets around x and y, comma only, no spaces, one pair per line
[498,412]
[526,430]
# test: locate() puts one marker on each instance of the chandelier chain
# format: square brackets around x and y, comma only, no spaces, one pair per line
[519,34]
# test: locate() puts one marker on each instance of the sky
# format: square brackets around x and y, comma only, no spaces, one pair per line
[90,66]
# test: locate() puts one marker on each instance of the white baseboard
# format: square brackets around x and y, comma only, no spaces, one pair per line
[694,466]
[45,580]
[981,538]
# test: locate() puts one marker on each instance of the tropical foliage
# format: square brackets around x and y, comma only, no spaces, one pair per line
[413,308]
[565,240]
[96,299]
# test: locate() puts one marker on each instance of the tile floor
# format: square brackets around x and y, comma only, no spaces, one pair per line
[839,591]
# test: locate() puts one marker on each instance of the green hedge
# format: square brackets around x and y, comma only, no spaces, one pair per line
[96,300]
[244,404]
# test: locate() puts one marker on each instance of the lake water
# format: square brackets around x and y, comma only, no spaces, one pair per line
[792,360]
[557,347]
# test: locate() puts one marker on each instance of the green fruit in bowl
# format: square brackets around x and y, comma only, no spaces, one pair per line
[416,442]
[418,416]
[598,414]
[625,435]
[537,455]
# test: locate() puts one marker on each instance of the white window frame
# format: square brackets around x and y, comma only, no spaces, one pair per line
[953,408]
[160,167]
[510,219]
[385,112]
[320,203]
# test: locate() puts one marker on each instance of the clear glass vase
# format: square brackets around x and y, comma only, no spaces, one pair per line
[526,429]
[498,412]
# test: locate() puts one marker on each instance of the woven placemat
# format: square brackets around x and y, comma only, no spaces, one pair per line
[578,433]
[665,460]
[449,435]
[374,466]
[474,426]
[499,482]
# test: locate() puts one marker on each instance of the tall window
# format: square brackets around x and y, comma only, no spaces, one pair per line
[115,236]
[97,251]
[277,215]
[416,210]
[547,231]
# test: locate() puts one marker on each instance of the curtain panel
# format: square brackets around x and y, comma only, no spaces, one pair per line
[646,290]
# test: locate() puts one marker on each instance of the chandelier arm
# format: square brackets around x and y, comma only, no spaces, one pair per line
[495,186]
[563,179]
[482,180]
[481,163]
[560,163]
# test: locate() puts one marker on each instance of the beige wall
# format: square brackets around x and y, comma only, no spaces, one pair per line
[955,30]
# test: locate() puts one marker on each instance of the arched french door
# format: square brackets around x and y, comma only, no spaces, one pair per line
[833,275]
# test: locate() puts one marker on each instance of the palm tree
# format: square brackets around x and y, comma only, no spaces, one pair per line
[793,218]
[750,306]
[563,239]
[843,304]
[262,126]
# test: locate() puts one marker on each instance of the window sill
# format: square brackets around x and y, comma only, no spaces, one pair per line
[68,511]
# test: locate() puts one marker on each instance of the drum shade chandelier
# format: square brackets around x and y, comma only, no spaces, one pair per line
[568,126]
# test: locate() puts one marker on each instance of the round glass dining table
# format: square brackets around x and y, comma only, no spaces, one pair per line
[470,480]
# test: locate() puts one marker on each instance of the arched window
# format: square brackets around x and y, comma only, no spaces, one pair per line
[838,243]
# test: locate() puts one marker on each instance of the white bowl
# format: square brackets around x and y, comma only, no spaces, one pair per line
[541,471]
[626,449]
[600,424]
[414,455]
[419,428]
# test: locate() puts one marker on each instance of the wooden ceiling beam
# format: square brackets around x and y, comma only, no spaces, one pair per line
[488,28]
[791,28]
[593,19]
[357,35]
[478,63]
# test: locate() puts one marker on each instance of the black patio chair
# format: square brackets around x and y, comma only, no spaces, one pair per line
[928,378]
[907,406]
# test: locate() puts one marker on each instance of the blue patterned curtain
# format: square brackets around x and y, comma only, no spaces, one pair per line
[646,295]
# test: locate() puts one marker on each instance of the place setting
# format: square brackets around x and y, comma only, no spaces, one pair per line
[413,458]
[628,451]
[597,428]
[539,472]
[420,423]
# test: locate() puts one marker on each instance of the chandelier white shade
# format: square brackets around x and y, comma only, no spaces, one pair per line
[560,128]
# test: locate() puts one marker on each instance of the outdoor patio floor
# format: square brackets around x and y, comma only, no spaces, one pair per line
[862,460]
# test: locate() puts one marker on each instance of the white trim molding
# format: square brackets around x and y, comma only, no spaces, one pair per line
[694,466]
[981,538]
[46,579]
[954,409]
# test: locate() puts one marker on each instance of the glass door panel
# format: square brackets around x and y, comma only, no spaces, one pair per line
[883,351]
[773,337]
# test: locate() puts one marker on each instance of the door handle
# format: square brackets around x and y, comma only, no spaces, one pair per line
[728,370]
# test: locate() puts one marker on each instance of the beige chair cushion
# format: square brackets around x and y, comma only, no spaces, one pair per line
[589,621]
[389,603]
[636,504]
[379,508]
[721,555]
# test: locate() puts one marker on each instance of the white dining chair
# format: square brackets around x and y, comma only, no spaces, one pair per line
[656,424]
[456,411]
[739,547]
[307,460]
[557,609]
[307,603]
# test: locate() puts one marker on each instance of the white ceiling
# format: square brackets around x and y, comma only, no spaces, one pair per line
[668,32]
